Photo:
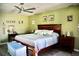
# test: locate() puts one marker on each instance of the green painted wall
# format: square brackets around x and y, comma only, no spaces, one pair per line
[60,17]
[19,27]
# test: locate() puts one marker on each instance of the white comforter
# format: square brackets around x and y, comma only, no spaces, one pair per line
[38,41]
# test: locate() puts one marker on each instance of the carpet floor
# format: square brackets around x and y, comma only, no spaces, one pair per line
[52,52]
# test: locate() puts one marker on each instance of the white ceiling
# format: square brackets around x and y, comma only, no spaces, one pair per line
[40,7]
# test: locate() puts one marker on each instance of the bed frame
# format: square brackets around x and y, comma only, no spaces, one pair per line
[55,27]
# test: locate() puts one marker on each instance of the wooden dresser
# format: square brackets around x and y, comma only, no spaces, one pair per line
[11,37]
[67,43]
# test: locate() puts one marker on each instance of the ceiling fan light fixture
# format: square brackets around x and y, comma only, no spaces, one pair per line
[21,3]
[21,8]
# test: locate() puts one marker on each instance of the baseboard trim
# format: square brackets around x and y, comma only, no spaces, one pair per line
[77,50]
[3,43]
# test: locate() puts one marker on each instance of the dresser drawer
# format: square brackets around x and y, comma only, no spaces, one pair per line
[67,43]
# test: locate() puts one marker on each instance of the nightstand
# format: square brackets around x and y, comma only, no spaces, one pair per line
[67,43]
[11,37]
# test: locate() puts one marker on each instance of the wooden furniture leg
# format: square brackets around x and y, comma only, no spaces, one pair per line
[33,52]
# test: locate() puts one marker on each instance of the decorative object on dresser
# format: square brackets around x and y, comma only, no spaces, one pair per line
[68,34]
[11,29]
[11,33]
[67,43]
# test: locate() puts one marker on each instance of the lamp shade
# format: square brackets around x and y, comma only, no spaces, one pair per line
[10,29]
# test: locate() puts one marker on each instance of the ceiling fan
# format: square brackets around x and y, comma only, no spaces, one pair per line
[22,9]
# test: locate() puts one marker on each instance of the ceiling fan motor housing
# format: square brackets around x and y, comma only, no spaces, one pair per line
[21,3]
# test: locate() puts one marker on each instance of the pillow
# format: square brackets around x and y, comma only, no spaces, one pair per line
[47,32]
[50,32]
[55,34]
[38,32]
[44,32]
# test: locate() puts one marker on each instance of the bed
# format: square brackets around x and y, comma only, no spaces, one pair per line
[38,42]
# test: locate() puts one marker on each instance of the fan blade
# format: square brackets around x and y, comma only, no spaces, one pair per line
[19,11]
[18,7]
[28,11]
[31,9]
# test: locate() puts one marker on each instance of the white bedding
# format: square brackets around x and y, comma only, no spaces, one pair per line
[28,38]
[38,41]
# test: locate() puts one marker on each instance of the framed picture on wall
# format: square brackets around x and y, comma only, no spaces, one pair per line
[69,18]
[45,18]
[22,22]
[51,17]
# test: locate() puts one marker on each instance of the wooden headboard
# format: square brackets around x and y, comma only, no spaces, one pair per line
[55,27]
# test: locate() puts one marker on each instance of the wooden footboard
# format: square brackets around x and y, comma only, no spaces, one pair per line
[33,51]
